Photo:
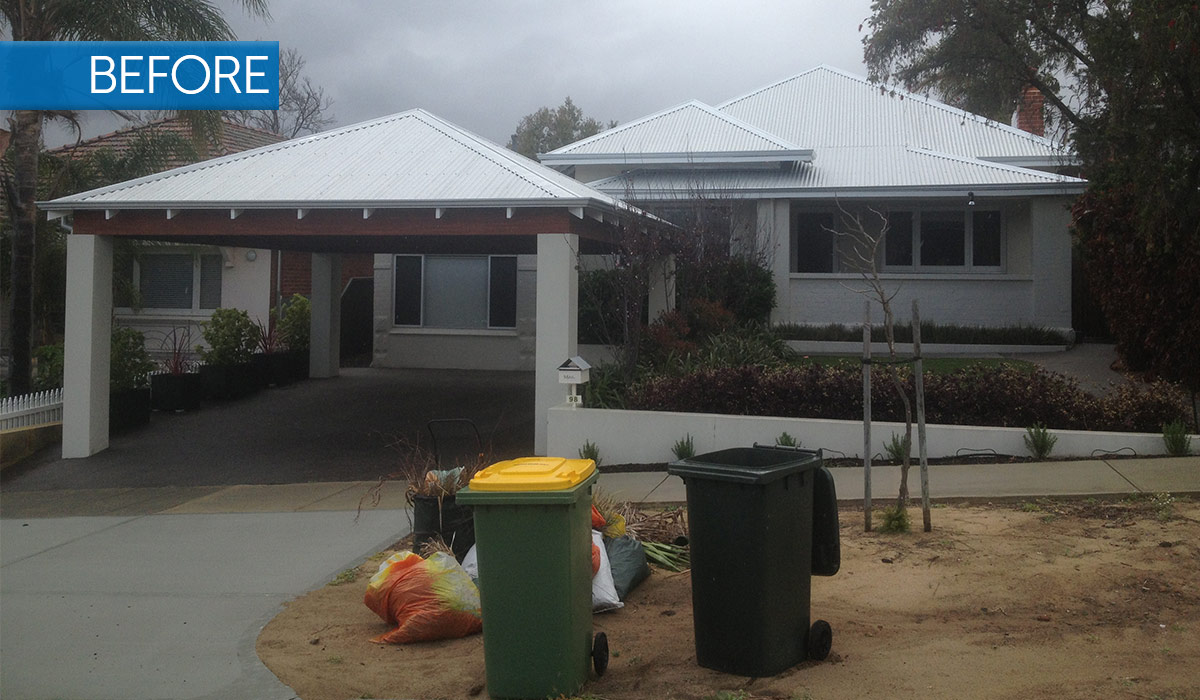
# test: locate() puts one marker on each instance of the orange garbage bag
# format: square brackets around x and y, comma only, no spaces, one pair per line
[598,521]
[426,599]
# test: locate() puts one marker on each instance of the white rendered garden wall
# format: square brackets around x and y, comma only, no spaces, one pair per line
[647,436]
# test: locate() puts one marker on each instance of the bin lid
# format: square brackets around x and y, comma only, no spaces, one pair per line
[533,474]
[747,465]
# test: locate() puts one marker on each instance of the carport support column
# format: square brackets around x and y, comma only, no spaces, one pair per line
[324,354]
[87,345]
[557,325]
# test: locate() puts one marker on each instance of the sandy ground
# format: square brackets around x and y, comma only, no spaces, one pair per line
[1044,599]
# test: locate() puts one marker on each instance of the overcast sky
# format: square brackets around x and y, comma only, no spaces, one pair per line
[483,64]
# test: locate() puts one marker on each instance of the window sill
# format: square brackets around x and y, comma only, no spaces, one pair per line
[479,332]
[900,276]
[162,314]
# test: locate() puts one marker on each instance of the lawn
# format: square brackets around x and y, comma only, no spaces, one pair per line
[932,365]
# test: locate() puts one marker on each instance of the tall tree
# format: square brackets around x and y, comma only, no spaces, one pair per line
[1123,76]
[548,129]
[76,20]
[303,105]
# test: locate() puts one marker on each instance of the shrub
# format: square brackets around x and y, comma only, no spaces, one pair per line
[49,367]
[601,307]
[708,318]
[669,335]
[684,448]
[737,283]
[1145,275]
[1001,396]
[895,520]
[49,374]
[749,346]
[1176,439]
[899,447]
[231,338]
[294,324]
[590,451]
[785,440]
[131,365]
[1039,441]
[606,387]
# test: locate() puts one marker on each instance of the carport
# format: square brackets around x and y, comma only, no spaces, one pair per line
[409,183]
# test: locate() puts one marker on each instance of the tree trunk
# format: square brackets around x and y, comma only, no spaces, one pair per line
[26,145]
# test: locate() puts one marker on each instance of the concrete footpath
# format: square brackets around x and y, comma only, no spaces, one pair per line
[148,593]
[1093,477]
[142,596]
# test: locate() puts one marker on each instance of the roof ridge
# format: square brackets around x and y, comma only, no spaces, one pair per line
[721,106]
[749,128]
[729,119]
[240,155]
[903,94]
[606,133]
[1003,167]
[510,168]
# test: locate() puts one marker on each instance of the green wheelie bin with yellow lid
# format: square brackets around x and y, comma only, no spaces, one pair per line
[533,542]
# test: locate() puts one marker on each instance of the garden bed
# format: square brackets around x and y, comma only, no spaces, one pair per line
[1086,598]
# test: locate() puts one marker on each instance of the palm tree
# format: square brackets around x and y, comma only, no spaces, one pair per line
[78,20]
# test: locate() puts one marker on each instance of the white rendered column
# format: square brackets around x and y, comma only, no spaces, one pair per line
[324,357]
[774,233]
[557,325]
[87,345]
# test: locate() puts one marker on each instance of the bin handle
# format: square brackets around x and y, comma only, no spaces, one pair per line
[791,448]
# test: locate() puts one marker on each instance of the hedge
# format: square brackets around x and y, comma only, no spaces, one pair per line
[995,396]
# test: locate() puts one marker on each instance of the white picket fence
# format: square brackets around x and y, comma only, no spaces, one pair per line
[31,409]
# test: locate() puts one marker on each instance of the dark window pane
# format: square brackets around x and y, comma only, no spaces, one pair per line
[985,242]
[124,293]
[456,292]
[166,281]
[502,300]
[898,247]
[943,236]
[210,281]
[813,243]
[407,303]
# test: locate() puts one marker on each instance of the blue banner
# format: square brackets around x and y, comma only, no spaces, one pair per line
[139,75]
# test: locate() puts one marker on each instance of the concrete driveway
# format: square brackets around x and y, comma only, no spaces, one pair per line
[148,570]
[166,605]
[335,429]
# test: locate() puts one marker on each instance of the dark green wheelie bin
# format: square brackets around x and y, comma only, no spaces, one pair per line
[762,521]
[534,543]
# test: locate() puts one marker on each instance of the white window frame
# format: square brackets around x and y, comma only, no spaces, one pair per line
[195,308]
[968,265]
[421,307]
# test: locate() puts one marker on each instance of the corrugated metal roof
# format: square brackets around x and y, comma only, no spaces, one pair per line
[877,171]
[689,128]
[828,108]
[410,159]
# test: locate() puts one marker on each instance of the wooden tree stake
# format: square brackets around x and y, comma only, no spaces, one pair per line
[866,369]
[919,376]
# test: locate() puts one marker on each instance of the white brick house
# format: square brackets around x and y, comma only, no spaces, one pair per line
[977,210]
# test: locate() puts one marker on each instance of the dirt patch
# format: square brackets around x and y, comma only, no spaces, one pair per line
[1044,599]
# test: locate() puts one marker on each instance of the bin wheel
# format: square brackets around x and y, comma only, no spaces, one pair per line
[600,653]
[820,640]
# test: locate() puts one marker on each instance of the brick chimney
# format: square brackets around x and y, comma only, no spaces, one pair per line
[1031,115]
